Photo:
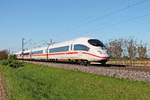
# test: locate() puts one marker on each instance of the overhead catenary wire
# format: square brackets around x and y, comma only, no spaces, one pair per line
[92,20]
[127,20]
[116,11]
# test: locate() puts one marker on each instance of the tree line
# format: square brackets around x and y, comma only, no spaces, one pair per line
[3,54]
[127,49]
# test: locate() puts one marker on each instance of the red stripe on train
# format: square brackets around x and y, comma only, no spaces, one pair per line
[62,53]
[94,55]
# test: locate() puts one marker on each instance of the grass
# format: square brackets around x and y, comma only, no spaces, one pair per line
[36,82]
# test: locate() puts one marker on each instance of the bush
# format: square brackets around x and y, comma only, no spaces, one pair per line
[12,57]
[16,64]
[4,62]
[12,63]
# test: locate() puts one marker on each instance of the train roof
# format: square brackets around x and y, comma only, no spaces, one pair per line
[81,39]
[76,40]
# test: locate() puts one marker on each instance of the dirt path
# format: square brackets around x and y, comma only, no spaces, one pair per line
[2,92]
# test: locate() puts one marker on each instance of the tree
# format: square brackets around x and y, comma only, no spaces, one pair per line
[132,49]
[115,48]
[3,54]
[142,51]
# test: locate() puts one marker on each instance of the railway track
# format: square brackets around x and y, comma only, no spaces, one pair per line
[118,71]
[107,66]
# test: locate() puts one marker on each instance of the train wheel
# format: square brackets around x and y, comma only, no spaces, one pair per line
[84,62]
[103,62]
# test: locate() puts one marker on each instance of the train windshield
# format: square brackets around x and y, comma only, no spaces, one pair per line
[96,42]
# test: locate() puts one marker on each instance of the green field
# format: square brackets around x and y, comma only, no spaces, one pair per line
[37,82]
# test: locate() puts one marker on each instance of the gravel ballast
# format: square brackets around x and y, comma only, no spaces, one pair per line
[105,71]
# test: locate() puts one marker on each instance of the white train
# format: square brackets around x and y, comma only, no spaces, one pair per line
[81,50]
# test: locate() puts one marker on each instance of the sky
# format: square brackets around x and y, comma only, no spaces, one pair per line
[39,21]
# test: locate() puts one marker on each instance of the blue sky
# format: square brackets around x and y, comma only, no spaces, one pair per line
[42,20]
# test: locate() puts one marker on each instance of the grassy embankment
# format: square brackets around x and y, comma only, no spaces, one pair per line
[35,82]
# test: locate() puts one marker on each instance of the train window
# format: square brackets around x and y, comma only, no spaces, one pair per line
[81,47]
[26,53]
[59,49]
[37,52]
[96,42]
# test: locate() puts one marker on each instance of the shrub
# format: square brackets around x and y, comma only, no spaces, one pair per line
[4,62]
[15,64]
[12,63]
[12,57]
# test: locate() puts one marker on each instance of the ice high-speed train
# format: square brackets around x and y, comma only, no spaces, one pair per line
[81,50]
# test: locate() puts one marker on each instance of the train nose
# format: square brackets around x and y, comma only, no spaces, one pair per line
[107,56]
[103,53]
